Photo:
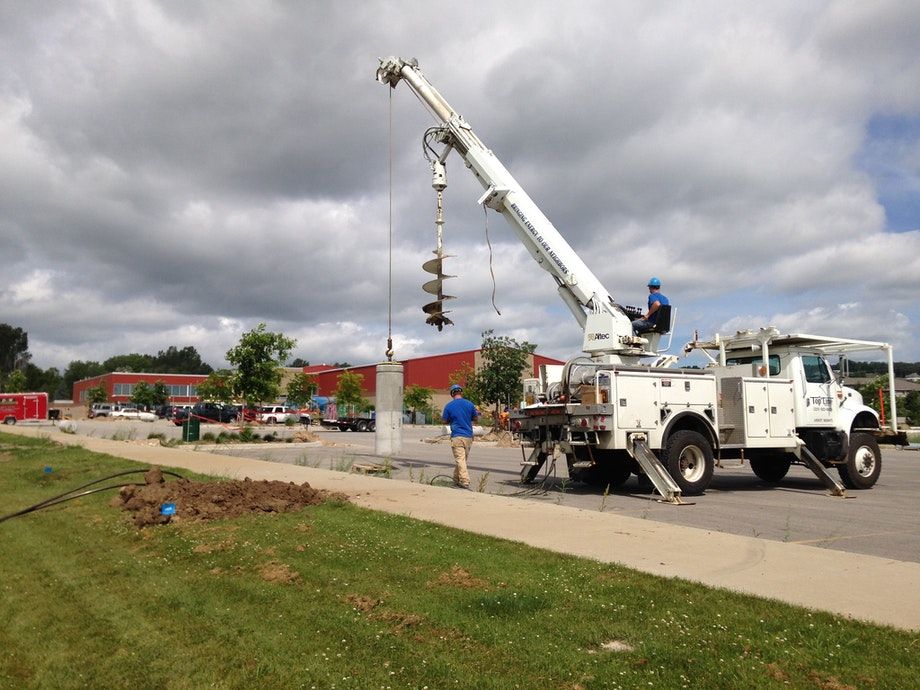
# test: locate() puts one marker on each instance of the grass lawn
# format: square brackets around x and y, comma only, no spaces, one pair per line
[339,597]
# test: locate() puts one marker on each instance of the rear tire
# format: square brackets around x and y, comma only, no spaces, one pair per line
[372,425]
[864,463]
[688,457]
[9,420]
[612,473]
[771,468]
[361,426]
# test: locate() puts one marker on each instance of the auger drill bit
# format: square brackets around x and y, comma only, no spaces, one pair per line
[435,310]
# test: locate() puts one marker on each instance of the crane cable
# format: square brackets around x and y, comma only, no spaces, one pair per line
[389,352]
[485,212]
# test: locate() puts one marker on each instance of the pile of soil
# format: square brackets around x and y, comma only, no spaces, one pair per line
[213,500]
[501,439]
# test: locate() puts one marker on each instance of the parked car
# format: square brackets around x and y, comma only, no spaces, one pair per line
[207,412]
[276,414]
[133,413]
[100,410]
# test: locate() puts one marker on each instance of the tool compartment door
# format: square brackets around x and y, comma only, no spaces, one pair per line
[635,397]
[769,412]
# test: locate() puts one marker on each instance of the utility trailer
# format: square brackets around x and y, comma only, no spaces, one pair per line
[23,407]
[350,421]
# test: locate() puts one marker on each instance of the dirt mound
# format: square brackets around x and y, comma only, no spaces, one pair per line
[502,439]
[213,500]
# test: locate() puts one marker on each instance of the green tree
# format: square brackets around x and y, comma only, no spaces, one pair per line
[97,394]
[172,360]
[14,349]
[15,382]
[909,406]
[349,392]
[145,395]
[298,362]
[418,398]
[46,380]
[78,370]
[300,389]
[504,364]
[134,362]
[218,387]
[869,392]
[467,377]
[257,359]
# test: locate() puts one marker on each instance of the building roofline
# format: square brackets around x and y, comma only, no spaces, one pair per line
[134,373]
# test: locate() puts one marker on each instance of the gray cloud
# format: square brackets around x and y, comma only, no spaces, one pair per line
[175,172]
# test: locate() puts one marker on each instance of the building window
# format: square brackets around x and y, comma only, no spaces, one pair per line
[124,389]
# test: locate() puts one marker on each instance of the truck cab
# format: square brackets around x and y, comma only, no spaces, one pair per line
[830,419]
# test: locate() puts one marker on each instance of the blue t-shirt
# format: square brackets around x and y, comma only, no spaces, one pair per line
[656,297]
[460,413]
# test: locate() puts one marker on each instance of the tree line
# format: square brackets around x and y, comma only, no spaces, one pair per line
[18,373]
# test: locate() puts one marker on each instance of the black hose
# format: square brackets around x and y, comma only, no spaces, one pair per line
[66,496]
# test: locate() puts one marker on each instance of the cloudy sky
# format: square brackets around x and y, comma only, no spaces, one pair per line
[174,173]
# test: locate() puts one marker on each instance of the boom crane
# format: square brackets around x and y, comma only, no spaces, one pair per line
[608,334]
[771,399]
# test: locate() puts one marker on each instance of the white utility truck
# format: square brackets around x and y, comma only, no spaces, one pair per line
[769,398]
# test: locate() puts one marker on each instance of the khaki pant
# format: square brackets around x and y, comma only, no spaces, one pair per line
[460,447]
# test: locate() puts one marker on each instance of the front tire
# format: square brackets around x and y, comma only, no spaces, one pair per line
[864,463]
[771,469]
[690,461]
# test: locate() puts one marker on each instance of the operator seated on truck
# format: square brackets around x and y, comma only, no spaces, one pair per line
[655,301]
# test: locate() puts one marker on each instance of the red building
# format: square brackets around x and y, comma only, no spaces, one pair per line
[119,386]
[433,371]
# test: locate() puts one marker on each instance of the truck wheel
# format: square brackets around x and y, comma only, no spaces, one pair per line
[272,420]
[372,425]
[613,474]
[689,460]
[771,468]
[9,420]
[361,426]
[864,463]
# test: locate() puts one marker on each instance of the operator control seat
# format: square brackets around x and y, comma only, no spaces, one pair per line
[662,326]
[663,322]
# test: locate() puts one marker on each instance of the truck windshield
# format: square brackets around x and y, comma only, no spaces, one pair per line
[815,369]
[772,359]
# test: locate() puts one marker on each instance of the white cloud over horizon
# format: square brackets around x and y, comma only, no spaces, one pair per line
[175,173]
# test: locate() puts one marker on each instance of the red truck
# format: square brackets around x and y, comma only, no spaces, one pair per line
[22,407]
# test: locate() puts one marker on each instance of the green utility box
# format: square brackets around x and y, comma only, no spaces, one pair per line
[191,429]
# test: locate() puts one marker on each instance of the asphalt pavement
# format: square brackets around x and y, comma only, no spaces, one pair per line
[628,528]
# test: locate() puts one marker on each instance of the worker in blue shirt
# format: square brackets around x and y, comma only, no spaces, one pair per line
[460,414]
[655,301]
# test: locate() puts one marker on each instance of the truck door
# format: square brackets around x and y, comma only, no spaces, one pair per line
[820,393]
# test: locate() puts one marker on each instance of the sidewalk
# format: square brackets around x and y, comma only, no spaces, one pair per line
[878,590]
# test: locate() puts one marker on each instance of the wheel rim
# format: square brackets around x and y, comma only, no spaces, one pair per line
[864,461]
[692,463]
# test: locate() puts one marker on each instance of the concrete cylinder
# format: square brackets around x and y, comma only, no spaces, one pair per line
[388,439]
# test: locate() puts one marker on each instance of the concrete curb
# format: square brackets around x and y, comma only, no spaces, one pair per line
[868,588]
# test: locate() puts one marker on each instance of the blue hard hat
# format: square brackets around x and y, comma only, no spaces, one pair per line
[654,282]
[455,389]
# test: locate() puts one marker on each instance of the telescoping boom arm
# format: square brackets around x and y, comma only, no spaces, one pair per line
[607,328]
